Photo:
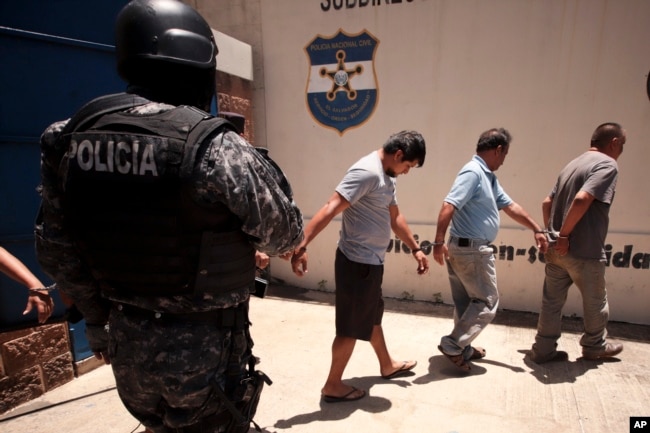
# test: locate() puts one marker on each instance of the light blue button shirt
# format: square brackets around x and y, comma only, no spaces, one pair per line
[477,196]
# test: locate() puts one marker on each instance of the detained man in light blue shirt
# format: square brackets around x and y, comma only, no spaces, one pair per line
[472,207]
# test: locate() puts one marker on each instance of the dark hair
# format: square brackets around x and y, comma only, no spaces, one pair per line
[605,133]
[411,143]
[493,138]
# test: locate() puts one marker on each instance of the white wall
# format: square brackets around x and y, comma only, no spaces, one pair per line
[235,57]
[549,71]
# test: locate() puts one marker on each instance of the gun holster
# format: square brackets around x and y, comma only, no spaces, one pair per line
[246,397]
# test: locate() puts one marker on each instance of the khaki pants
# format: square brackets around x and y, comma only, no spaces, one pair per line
[589,277]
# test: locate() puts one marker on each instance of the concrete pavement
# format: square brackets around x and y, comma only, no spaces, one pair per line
[505,392]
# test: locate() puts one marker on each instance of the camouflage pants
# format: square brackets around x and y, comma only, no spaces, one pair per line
[165,371]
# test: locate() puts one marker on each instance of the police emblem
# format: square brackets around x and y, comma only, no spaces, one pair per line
[342,84]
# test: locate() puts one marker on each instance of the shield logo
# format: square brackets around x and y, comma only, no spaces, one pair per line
[342,84]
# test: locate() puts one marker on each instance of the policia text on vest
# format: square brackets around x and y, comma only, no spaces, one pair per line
[123,157]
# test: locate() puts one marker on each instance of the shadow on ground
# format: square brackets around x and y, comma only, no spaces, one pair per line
[617,330]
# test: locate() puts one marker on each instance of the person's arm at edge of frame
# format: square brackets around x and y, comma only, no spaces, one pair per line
[577,210]
[11,266]
[440,252]
[401,229]
[519,214]
[334,206]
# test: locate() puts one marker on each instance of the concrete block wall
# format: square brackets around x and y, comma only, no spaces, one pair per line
[234,94]
[241,20]
[33,361]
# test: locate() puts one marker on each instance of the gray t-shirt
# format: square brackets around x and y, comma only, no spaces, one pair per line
[366,230]
[595,173]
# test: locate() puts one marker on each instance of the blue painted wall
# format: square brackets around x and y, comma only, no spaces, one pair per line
[55,56]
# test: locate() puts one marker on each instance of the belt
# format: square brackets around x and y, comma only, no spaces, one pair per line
[236,317]
[467,242]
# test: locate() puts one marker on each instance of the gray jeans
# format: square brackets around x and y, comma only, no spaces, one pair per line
[473,279]
[589,276]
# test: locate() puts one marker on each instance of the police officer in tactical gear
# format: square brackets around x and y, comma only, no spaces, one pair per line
[151,214]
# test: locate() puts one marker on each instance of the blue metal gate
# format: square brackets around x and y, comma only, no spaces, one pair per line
[55,56]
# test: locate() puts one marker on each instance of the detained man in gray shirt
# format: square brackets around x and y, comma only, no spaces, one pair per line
[576,213]
[472,207]
[367,198]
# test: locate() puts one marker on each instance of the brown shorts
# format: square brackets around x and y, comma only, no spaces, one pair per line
[359,302]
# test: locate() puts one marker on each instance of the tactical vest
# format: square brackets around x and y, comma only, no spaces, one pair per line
[129,202]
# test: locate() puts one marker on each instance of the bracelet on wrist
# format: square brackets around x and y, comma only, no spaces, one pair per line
[435,244]
[416,250]
[541,231]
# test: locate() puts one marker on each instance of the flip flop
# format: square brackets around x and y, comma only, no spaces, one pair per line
[344,398]
[457,360]
[478,353]
[405,368]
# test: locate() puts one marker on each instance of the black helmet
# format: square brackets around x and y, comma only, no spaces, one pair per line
[165,42]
